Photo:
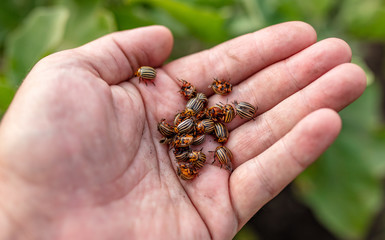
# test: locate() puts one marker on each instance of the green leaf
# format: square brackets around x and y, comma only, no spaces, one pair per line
[205,23]
[343,188]
[39,34]
[6,95]
[364,19]
[88,21]
[13,12]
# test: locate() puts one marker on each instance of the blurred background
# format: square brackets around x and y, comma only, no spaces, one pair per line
[341,196]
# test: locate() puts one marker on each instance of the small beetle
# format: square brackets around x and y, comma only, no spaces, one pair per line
[245,110]
[183,140]
[221,132]
[186,171]
[182,154]
[228,113]
[221,87]
[224,156]
[215,113]
[165,129]
[194,106]
[185,126]
[187,90]
[146,73]
[197,158]
[205,126]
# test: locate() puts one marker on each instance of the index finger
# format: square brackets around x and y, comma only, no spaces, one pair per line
[239,58]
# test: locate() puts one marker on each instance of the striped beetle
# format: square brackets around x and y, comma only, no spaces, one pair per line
[224,156]
[205,126]
[181,154]
[146,73]
[228,113]
[221,132]
[194,106]
[165,129]
[185,126]
[245,110]
[215,113]
[197,158]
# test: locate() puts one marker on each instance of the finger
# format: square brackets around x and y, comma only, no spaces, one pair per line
[257,181]
[241,57]
[273,84]
[335,89]
[116,56]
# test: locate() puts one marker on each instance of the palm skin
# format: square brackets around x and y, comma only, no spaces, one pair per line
[80,156]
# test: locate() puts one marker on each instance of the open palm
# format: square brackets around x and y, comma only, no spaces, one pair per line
[79,150]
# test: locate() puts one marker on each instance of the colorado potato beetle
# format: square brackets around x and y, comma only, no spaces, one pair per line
[186,171]
[187,90]
[146,73]
[224,156]
[221,87]
[183,140]
[194,106]
[244,110]
[228,113]
[205,126]
[215,113]
[181,154]
[165,129]
[197,158]
[185,126]
[221,132]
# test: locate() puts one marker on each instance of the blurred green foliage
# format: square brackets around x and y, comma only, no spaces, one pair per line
[343,189]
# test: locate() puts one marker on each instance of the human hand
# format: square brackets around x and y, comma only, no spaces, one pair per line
[79,149]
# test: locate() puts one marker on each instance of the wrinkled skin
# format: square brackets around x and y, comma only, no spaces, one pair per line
[80,156]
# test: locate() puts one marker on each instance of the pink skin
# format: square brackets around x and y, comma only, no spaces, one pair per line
[79,149]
